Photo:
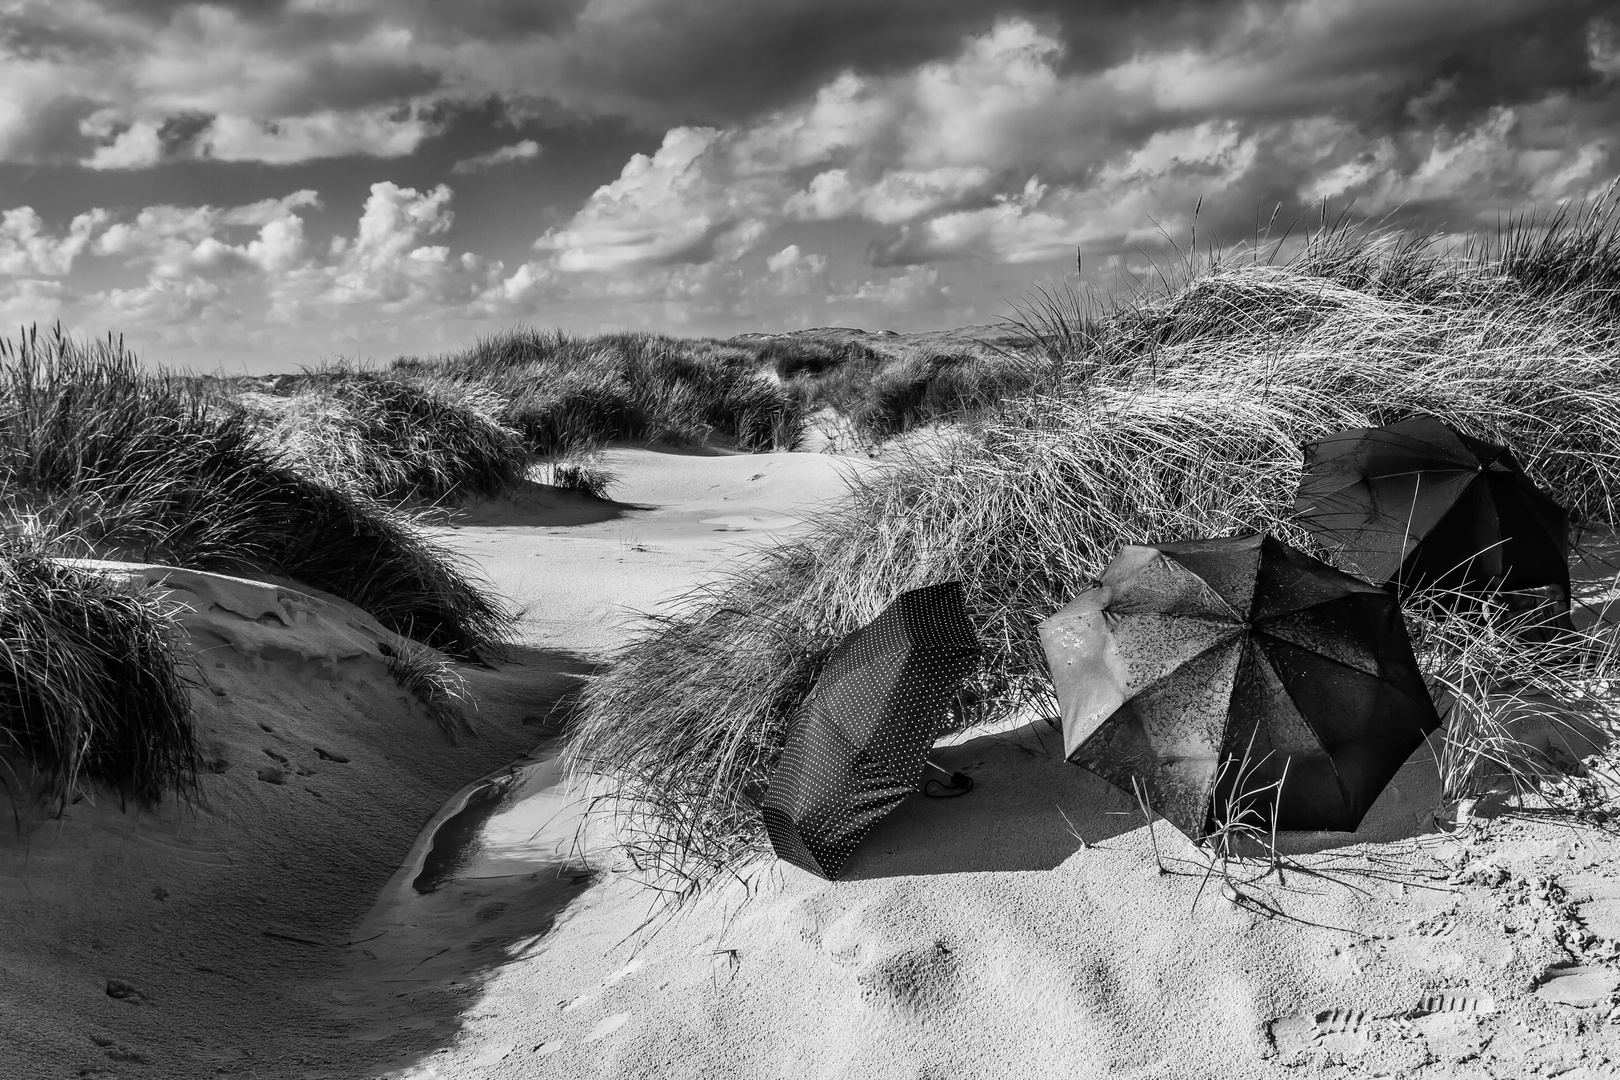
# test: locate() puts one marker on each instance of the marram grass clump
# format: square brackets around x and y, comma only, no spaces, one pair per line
[90,686]
[419,439]
[567,394]
[104,459]
[1174,414]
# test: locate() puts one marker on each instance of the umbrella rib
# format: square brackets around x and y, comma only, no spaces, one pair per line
[1303,715]
[1320,741]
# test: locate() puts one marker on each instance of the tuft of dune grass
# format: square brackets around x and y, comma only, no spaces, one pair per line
[108,460]
[418,439]
[887,394]
[434,682]
[89,686]
[584,473]
[1177,414]
[565,393]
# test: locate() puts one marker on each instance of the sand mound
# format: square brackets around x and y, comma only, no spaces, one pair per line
[185,939]
[977,937]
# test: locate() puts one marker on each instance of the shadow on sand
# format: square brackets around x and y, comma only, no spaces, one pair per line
[485,880]
[541,506]
[1029,810]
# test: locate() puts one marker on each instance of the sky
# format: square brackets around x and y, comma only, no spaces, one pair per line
[266,184]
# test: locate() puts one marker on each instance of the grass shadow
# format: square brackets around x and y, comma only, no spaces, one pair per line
[540,506]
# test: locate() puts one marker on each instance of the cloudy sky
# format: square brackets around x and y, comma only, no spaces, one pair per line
[269,183]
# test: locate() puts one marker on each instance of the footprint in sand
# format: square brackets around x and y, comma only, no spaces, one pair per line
[910,979]
[629,969]
[1580,985]
[1472,1004]
[1439,924]
[608,1027]
[1340,1030]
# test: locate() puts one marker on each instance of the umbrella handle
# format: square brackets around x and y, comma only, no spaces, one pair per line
[960,780]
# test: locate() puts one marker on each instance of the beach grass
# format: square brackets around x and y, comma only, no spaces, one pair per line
[104,459]
[1174,413]
[423,439]
[565,393]
[90,684]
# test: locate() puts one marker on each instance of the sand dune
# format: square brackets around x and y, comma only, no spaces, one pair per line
[354,896]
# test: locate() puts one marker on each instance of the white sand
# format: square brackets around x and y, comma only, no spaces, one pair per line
[974,937]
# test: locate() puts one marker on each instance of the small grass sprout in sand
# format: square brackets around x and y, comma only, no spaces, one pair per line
[433,680]
[1181,416]
[580,471]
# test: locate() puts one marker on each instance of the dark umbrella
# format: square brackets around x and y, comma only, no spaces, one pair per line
[1195,663]
[858,746]
[1417,504]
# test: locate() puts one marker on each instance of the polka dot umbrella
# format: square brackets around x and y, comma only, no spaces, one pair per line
[858,746]
[1238,676]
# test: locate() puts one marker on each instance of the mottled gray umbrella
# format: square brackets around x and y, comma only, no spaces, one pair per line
[858,746]
[1195,664]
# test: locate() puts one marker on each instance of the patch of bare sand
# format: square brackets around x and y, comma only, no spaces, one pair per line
[978,937]
[184,942]
[274,928]
[582,570]
[1027,930]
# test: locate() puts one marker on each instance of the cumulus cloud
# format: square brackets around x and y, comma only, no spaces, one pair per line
[215,265]
[796,273]
[1009,152]
[30,301]
[992,133]
[915,288]
[29,249]
[671,207]
[389,262]
[527,150]
[298,79]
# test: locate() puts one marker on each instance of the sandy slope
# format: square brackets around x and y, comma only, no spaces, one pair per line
[216,938]
[1027,930]
[977,938]
[182,941]
[581,570]
[1024,930]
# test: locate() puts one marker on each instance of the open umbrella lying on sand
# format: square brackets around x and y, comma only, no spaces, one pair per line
[1211,670]
[1417,504]
[859,745]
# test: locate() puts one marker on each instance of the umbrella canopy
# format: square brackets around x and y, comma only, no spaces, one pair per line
[859,744]
[1210,669]
[1417,504]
